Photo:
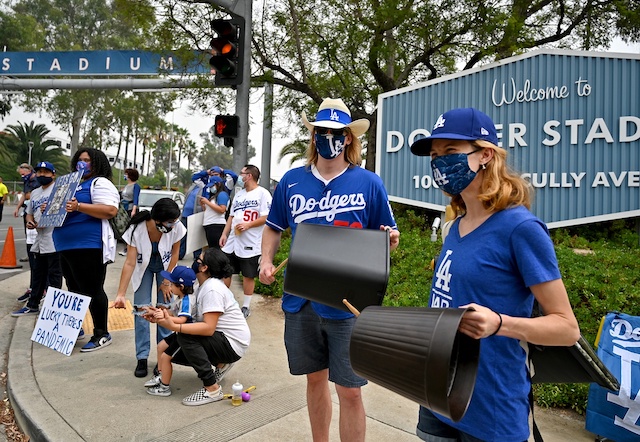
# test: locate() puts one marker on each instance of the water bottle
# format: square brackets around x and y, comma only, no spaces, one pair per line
[236,398]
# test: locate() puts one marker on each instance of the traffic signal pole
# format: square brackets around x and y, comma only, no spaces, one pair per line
[242,96]
[244,9]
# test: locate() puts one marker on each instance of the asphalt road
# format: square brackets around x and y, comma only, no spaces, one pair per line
[8,220]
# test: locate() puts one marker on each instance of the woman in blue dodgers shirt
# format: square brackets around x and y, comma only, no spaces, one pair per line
[496,258]
[331,189]
[85,240]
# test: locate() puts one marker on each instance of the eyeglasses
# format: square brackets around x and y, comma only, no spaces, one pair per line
[326,130]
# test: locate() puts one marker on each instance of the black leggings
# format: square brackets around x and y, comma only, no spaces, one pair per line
[85,273]
[213,233]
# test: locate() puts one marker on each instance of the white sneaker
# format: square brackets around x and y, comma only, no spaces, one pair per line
[155,380]
[203,396]
[159,390]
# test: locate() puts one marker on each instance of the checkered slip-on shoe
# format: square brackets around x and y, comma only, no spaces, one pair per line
[202,397]
[220,373]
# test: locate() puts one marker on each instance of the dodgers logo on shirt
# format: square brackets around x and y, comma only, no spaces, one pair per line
[326,207]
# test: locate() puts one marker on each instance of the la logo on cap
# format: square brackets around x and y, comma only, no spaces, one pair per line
[439,122]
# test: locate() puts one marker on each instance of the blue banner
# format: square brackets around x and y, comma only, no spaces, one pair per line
[95,63]
[616,415]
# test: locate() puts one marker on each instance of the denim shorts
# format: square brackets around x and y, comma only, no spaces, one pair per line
[432,429]
[314,343]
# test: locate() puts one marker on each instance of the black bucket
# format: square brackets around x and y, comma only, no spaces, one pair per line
[328,264]
[419,354]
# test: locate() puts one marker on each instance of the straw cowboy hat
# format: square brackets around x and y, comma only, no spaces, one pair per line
[334,114]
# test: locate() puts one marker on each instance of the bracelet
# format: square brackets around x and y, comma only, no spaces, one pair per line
[78,208]
[499,325]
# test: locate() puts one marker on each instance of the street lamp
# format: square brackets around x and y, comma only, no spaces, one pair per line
[30,143]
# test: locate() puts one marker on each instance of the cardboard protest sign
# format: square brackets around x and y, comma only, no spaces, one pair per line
[64,189]
[196,238]
[60,320]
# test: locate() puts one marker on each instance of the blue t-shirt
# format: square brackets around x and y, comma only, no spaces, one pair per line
[355,198]
[494,266]
[79,231]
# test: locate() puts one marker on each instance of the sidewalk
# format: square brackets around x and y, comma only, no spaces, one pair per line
[95,397]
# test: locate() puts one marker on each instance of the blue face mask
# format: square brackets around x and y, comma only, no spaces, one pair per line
[195,267]
[213,190]
[83,167]
[240,181]
[125,177]
[452,173]
[329,146]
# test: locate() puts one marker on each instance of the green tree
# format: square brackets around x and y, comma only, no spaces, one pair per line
[297,149]
[356,50]
[16,33]
[83,25]
[42,149]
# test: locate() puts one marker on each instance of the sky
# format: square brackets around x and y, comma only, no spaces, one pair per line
[198,123]
[195,123]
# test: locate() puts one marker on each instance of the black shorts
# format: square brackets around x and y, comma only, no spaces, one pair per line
[173,346]
[247,266]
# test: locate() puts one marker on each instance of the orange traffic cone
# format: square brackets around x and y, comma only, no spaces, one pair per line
[8,258]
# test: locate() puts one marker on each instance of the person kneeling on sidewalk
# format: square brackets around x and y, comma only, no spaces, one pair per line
[180,284]
[219,335]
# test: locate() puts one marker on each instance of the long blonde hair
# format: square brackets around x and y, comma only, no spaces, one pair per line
[352,153]
[501,187]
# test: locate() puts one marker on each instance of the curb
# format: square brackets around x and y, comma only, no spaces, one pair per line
[33,413]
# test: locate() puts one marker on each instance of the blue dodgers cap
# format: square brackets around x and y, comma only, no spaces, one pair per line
[45,165]
[180,275]
[458,124]
[213,180]
[216,169]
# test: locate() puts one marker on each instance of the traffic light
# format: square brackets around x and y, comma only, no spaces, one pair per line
[226,126]
[227,48]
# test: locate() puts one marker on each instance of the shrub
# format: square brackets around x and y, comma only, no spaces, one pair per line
[607,279]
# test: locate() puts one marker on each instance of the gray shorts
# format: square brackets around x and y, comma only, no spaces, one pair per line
[314,343]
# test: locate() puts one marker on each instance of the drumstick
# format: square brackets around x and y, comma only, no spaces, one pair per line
[351,308]
[280,266]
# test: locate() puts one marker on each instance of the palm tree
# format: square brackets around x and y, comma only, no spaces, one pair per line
[42,150]
[298,148]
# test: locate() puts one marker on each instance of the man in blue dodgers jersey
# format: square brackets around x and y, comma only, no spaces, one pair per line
[330,189]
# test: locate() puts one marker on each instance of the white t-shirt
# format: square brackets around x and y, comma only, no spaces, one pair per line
[213,217]
[247,207]
[43,242]
[214,296]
